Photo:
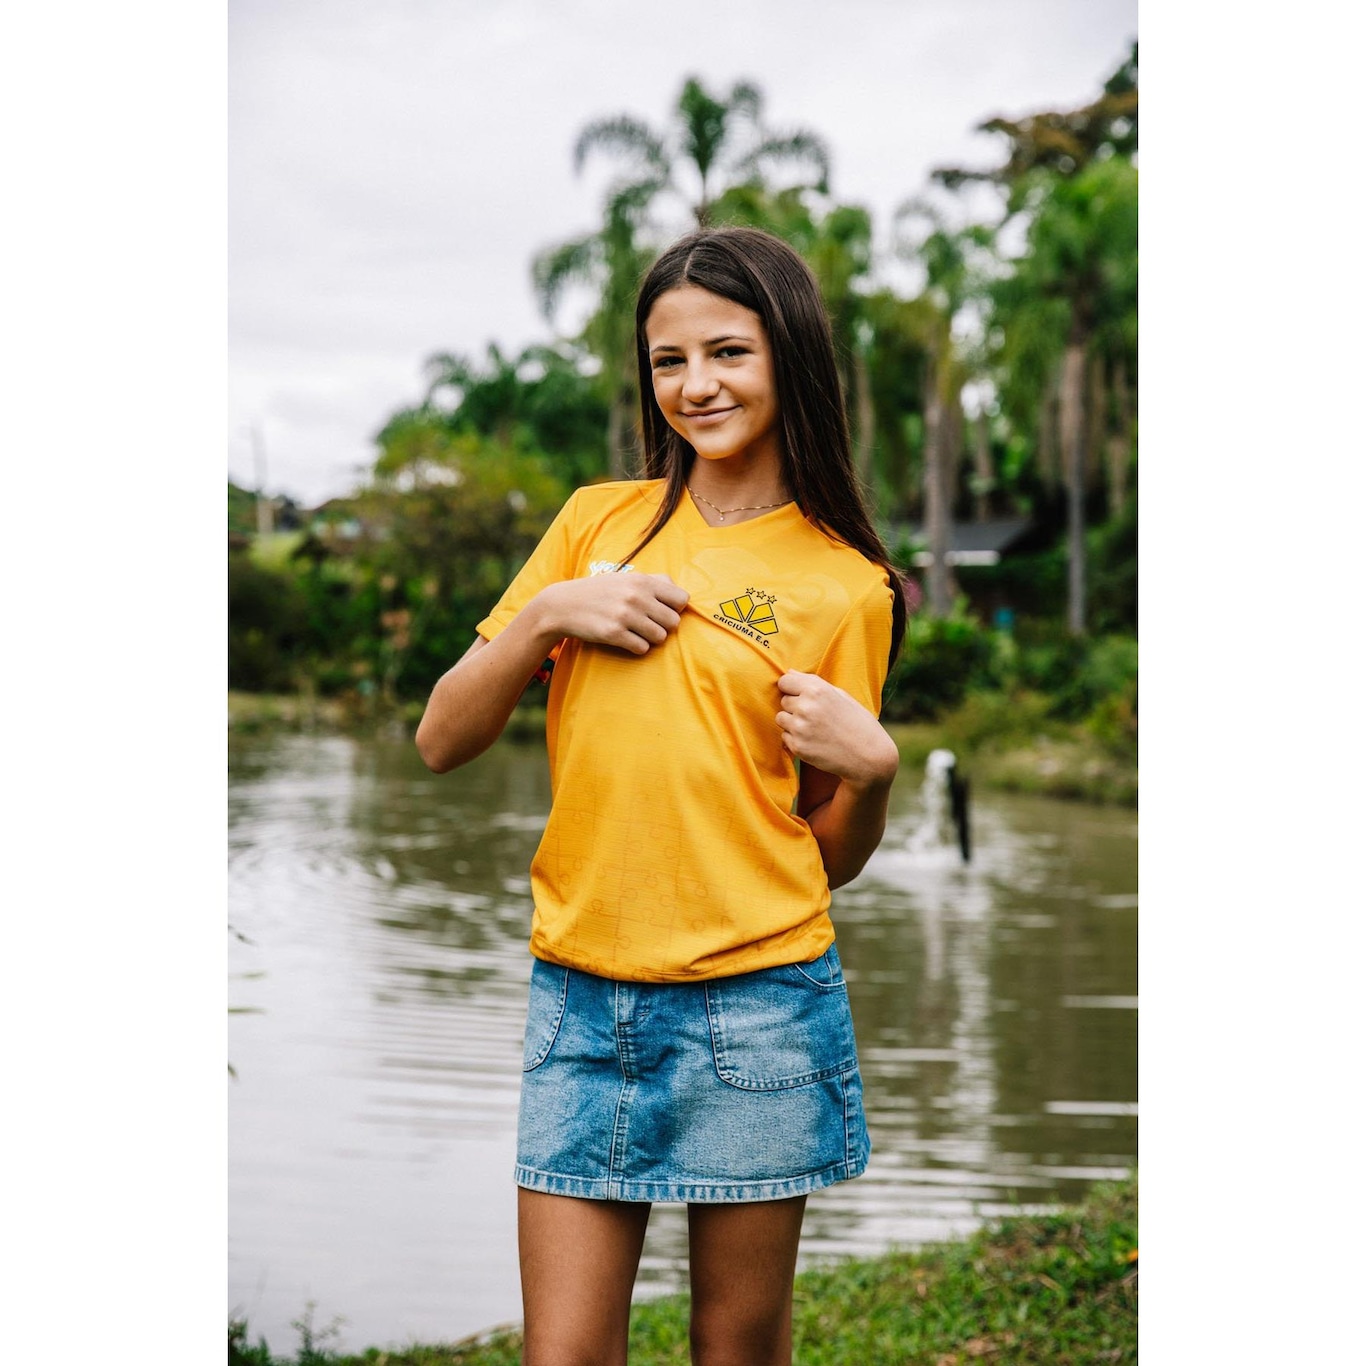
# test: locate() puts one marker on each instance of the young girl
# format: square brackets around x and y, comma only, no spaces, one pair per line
[688,1034]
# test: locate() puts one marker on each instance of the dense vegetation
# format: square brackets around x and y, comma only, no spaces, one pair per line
[1042,1290]
[1003,387]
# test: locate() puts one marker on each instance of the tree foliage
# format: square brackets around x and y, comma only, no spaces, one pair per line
[1065,141]
[545,402]
[982,391]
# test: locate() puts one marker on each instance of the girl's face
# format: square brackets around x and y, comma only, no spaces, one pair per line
[713,375]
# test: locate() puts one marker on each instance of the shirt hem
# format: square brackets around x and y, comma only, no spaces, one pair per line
[539,948]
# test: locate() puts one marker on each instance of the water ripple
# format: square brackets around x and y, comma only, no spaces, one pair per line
[385,914]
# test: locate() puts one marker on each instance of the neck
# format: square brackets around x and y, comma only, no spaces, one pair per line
[730,487]
[729,513]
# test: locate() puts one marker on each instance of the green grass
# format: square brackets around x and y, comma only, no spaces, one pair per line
[1040,1290]
[273,551]
[1009,743]
[251,713]
[1070,768]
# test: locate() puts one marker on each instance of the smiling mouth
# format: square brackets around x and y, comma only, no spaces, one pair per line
[711,412]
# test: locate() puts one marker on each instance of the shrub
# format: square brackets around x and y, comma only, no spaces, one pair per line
[1108,667]
[1114,721]
[987,718]
[240,1350]
[387,611]
[941,660]
[267,622]
[1047,656]
[1112,566]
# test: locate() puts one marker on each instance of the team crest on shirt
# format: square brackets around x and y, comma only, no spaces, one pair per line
[751,613]
[608,567]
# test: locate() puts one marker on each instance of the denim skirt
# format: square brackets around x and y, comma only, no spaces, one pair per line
[739,1088]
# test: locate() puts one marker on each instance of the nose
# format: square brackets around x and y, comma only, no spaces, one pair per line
[699,382]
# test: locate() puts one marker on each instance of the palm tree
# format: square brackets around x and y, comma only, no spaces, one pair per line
[957,268]
[899,365]
[942,387]
[718,140]
[1074,291]
[838,246]
[840,254]
[1079,277]
[612,261]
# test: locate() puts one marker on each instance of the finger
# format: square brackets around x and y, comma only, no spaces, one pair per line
[669,592]
[636,644]
[664,615]
[652,631]
[790,702]
[784,720]
[794,682]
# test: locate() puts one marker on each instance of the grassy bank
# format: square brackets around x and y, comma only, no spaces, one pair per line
[1005,744]
[251,713]
[1044,1290]
[1062,762]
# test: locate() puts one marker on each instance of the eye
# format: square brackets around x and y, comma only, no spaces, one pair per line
[732,351]
[665,362]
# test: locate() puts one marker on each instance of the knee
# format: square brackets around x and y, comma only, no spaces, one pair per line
[753,1336]
[570,1352]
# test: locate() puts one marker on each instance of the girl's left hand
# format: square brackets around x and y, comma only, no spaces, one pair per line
[825,727]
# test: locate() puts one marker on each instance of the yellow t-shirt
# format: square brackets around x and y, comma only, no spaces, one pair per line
[672,852]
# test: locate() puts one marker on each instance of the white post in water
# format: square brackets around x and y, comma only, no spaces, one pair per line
[934,830]
[944,795]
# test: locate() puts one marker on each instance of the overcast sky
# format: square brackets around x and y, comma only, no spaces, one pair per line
[394,166]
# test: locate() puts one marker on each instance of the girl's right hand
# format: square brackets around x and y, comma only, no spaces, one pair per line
[630,611]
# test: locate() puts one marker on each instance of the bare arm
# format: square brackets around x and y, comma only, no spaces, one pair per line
[848,765]
[472,701]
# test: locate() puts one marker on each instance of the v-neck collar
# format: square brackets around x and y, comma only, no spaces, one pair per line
[778,516]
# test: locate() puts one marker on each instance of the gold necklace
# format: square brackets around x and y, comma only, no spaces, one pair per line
[724,512]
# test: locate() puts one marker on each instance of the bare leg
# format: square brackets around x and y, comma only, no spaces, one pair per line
[579,1260]
[742,1260]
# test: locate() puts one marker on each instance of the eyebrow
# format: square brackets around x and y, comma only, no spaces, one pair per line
[711,341]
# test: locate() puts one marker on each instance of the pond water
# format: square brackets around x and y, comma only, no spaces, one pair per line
[379,965]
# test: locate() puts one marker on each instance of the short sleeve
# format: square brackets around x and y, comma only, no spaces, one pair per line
[552,561]
[856,658]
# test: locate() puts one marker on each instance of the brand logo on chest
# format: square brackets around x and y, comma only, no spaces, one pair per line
[751,613]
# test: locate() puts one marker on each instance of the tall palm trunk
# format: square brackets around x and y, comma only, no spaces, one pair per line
[1072,422]
[702,210]
[983,472]
[1095,405]
[936,503]
[952,441]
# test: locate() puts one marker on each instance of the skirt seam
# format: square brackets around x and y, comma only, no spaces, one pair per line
[684,1192]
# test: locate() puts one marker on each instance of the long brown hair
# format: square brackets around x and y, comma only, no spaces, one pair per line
[762,273]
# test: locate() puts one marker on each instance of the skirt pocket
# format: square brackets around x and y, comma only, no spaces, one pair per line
[782,1027]
[544,1012]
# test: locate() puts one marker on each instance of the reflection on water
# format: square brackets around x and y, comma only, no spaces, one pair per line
[385,914]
